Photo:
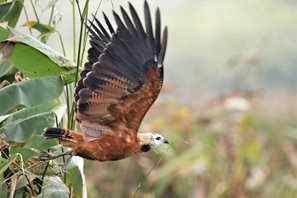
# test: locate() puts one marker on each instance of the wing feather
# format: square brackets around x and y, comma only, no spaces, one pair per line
[123,75]
[148,21]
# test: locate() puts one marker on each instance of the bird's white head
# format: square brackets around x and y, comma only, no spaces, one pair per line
[151,140]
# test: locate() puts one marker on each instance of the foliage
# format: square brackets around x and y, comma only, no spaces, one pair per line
[33,79]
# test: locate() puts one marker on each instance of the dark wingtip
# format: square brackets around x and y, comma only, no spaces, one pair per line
[148,21]
[136,20]
[108,23]
[158,31]
[163,46]
[130,5]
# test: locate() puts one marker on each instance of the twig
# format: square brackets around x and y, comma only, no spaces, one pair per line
[62,43]
[27,17]
[13,184]
[73,30]
[154,166]
[35,13]
[51,16]
[77,62]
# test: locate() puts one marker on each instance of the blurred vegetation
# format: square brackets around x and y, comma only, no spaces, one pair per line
[235,146]
[228,106]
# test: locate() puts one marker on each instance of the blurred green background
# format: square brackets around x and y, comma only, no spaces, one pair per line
[228,106]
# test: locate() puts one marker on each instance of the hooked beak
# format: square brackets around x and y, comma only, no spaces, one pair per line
[166,141]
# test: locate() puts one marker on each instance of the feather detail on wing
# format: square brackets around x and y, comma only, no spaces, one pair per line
[123,76]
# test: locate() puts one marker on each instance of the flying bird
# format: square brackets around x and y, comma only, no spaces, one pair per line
[120,82]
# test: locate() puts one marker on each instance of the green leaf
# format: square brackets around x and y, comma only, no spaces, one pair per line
[33,63]
[3,190]
[75,177]
[22,182]
[4,34]
[53,55]
[53,188]
[4,10]
[39,142]
[19,193]
[42,28]
[22,129]
[30,92]
[25,152]
[10,12]
[85,10]
[5,163]
[33,58]
[26,112]
[6,68]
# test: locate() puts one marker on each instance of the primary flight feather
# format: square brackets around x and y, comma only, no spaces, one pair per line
[121,80]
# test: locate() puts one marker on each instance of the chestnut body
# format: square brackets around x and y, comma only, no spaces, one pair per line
[107,148]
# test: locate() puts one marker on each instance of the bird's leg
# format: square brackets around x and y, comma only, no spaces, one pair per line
[50,156]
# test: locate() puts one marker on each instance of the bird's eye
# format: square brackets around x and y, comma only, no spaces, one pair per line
[158,138]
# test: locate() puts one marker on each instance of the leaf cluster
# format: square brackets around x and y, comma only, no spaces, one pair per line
[35,83]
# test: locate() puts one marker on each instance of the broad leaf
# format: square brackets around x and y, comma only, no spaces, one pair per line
[33,58]
[4,34]
[22,129]
[38,142]
[26,112]
[34,63]
[24,152]
[53,188]
[10,12]
[6,68]
[33,147]
[3,190]
[76,176]
[56,57]
[5,163]
[30,92]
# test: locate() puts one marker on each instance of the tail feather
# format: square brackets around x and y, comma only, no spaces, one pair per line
[54,133]
[67,137]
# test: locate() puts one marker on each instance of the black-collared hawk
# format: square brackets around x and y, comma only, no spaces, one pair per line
[119,83]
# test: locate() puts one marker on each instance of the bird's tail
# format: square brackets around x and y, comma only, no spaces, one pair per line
[67,137]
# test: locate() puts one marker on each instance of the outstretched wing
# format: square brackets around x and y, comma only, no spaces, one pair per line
[117,91]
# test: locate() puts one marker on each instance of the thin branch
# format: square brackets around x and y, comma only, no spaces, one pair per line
[86,31]
[51,16]
[78,62]
[155,165]
[68,105]
[62,43]
[35,13]
[27,17]
[74,30]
